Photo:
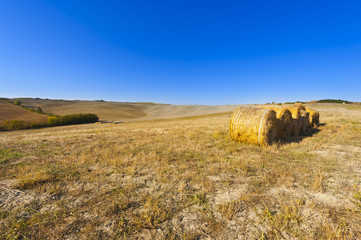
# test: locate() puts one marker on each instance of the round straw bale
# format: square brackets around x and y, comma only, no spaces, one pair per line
[254,126]
[294,130]
[301,106]
[296,120]
[314,117]
[305,116]
[285,121]
[317,121]
[295,111]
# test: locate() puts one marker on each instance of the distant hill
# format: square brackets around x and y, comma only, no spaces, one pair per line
[322,101]
[111,111]
[105,110]
[333,101]
[114,111]
[9,111]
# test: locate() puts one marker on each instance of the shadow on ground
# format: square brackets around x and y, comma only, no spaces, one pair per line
[308,134]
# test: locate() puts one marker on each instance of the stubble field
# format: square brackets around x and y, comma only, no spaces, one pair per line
[181,179]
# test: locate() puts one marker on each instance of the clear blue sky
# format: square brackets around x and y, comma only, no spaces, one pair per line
[181,52]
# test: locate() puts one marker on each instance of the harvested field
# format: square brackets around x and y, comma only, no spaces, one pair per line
[120,111]
[181,179]
[9,111]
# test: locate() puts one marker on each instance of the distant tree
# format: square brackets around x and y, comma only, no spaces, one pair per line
[17,103]
[39,110]
[333,101]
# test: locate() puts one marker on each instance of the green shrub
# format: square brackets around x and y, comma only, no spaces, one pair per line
[73,119]
[52,121]
[21,124]
[15,124]
[29,109]
[17,103]
[39,110]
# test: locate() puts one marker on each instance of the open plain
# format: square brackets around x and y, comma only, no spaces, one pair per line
[182,178]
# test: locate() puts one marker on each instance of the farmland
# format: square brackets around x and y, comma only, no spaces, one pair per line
[115,111]
[182,178]
[10,112]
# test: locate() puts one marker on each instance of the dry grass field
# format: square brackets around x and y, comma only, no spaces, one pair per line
[181,179]
[11,112]
[116,111]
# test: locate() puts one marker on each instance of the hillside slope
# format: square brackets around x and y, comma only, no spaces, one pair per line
[12,112]
[115,111]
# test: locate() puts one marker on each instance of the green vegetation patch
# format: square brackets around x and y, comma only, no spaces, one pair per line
[321,101]
[73,119]
[52,121]
[333,101]
[21,124]
[6,155]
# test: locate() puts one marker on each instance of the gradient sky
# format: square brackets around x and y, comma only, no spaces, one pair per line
[181,52]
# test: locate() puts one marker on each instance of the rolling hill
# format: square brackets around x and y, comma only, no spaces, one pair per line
[115,111]
[12,112]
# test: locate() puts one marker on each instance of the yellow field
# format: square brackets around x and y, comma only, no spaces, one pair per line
[181,179]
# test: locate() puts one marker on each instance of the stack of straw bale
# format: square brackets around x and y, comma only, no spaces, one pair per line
[301,106]
[305,126]
[284,117]
[296,120]
[265,125]
[314,117]
[254,126]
